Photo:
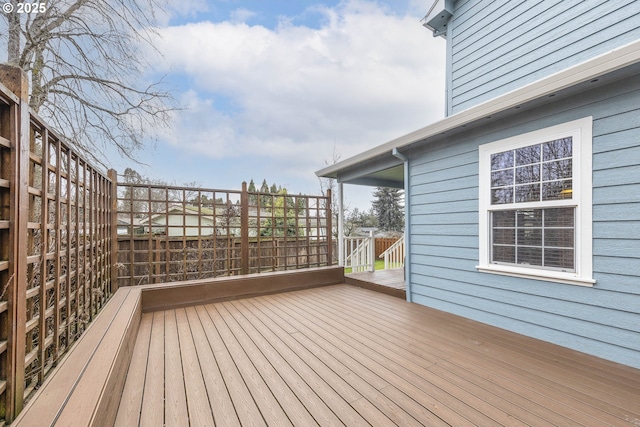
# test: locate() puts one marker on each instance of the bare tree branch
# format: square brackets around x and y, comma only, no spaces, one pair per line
[85,60]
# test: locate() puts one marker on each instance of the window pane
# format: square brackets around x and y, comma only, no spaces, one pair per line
[504,254]
[560,217]
[504,236]
[502,160]
[530,218]
[558,237]
[557,170]
[501,196]
[526,174]
[502,178]
[529,256]
[557,190]
[559,258]
[530,237]
[558,149]
[528,155]
[504,219]
[528,193]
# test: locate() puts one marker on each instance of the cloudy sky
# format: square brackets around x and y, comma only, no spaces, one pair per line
[270,87]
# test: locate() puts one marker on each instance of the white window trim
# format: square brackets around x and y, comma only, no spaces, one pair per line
[581,131]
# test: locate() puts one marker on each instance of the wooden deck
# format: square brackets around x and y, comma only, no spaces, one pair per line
[342,355]
[390,282]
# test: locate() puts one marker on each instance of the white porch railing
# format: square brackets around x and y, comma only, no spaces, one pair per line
[394,255]
[360,253]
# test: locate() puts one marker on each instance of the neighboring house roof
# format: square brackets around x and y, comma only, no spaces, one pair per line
[379,167]
[207,213]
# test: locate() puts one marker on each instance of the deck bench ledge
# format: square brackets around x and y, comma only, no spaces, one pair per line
[86,385]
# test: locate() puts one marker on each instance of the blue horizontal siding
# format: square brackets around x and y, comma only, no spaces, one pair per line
[499,46]
[603,320]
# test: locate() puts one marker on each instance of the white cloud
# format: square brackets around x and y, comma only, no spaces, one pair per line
[362,77]
[241,15]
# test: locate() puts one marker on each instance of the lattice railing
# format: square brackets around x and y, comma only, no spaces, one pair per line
[55,248]
[171,233]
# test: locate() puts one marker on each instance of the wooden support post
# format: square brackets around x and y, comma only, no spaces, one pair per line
[16,81]
[113,220]
[244,230]
[329,229]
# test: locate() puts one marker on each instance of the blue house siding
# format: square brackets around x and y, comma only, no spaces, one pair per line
[497,46]
[603,320]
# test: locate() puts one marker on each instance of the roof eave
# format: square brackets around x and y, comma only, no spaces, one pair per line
[610,61]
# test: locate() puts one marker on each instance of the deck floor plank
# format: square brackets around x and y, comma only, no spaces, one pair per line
[219,395]
[348,356]
[176,411]
[269,406]
[152,412]
[417,359]
[198,405]
[325,404]
[239,393]
[285,387]
[385,373]
[403,370]
[345,369]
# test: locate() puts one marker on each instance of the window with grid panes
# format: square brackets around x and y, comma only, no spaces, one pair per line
[535,203]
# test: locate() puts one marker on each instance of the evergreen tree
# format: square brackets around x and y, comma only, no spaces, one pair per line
[283,221]
[388,208]
[264,199]
[253,198]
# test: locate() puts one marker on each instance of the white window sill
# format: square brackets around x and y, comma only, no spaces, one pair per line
[535,274]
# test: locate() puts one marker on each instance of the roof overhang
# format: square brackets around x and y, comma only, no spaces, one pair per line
[366,167]
[438,17]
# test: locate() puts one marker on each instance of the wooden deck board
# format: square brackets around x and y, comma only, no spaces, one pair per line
[198,399]
[268,405]
[222,407]
[152,412]
[244,404]
[175,406]
[341,355]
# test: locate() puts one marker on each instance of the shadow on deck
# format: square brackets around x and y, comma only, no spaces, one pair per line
[326,354]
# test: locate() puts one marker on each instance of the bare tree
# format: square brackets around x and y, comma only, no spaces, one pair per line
[85,60]
[332,184]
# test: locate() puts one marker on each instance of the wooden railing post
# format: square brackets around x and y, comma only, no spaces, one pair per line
[329,229]
[16,81]
[372,250]
[244,229]
[113,219]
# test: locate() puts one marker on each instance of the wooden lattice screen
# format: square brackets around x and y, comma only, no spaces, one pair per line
[55,246]
[171,233]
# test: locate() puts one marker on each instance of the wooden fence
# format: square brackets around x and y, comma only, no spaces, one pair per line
[382,244]
[69,234]
[55,245]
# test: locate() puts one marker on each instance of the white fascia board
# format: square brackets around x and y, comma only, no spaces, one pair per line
[610,61]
